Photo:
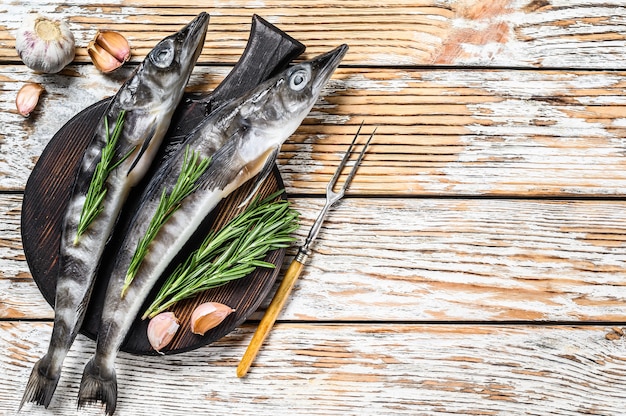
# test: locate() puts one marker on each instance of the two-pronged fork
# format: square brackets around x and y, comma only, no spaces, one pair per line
[294,270]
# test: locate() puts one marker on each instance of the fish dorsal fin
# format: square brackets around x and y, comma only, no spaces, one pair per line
[261,176]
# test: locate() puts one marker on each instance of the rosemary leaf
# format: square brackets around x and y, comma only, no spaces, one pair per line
[169,203]
[231,253]
[94,200]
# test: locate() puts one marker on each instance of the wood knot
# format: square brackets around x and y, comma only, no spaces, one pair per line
[615,334]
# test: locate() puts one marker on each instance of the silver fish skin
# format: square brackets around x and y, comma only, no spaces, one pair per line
[248,133]
[149,98]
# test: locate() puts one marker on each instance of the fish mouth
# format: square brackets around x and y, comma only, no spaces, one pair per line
[194,35]
[323,66]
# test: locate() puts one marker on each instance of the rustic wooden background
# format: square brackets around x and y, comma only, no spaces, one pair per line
[478,265]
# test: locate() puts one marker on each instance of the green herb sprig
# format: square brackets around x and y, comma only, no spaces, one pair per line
[94,201]
[191,170]
[231,253]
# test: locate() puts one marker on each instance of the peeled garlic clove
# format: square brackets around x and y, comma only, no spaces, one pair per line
[208,315]
[27,98]
[161,330]
[109,50]
[44,44]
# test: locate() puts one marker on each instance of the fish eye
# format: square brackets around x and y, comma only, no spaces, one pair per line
[163,56]
[298,80]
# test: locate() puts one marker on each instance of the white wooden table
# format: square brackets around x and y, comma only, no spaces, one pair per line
[478,264]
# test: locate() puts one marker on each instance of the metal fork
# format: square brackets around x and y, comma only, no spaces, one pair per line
[296,266]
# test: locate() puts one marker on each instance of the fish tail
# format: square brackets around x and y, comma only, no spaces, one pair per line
[99,384]
[41,384]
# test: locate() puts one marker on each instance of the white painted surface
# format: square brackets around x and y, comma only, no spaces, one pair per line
[355,370]
[490,206]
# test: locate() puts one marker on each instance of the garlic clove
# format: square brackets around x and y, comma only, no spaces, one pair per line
[108,51]
[161,330]
[44,44]
[104,61]
[27,98]
[208,315]
[115,44]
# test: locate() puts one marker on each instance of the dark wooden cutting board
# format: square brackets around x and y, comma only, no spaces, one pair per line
[49,187]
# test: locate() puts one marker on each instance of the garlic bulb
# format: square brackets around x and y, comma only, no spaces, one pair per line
[27,98]
[44,45]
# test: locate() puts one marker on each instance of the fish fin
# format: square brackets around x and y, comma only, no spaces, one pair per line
[81,309]
[40,386]
[221,171]
[146,144]
[261,176]
[98,385]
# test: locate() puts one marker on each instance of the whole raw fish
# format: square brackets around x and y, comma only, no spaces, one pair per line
[248,133]
[148,99]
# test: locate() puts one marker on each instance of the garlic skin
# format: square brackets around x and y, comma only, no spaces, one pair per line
[161,330]
[27,98]
[208,315]
[108,51]
[45,45]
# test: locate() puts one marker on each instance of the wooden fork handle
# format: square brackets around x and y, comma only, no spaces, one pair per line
[280,297]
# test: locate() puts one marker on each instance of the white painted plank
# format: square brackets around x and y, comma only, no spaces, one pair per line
[442,132]
[560,33]
[464,260]
[428,260]
[369,369]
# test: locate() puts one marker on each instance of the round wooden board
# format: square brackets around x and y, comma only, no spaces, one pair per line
[49,187]
[45,200]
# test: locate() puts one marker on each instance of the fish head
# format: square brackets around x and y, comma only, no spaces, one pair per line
[158,83]
[281,103]
[170,62]
[301,84]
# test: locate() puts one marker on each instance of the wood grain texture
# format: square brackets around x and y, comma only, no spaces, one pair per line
[441,132]
[491,206]
[429,260]
[351,370]
[538,33]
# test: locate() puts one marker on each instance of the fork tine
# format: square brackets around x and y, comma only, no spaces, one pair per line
[344,160]
[358,162]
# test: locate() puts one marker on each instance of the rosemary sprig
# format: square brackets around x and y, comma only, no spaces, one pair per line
[191,170]
[231,253]
[94,201]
